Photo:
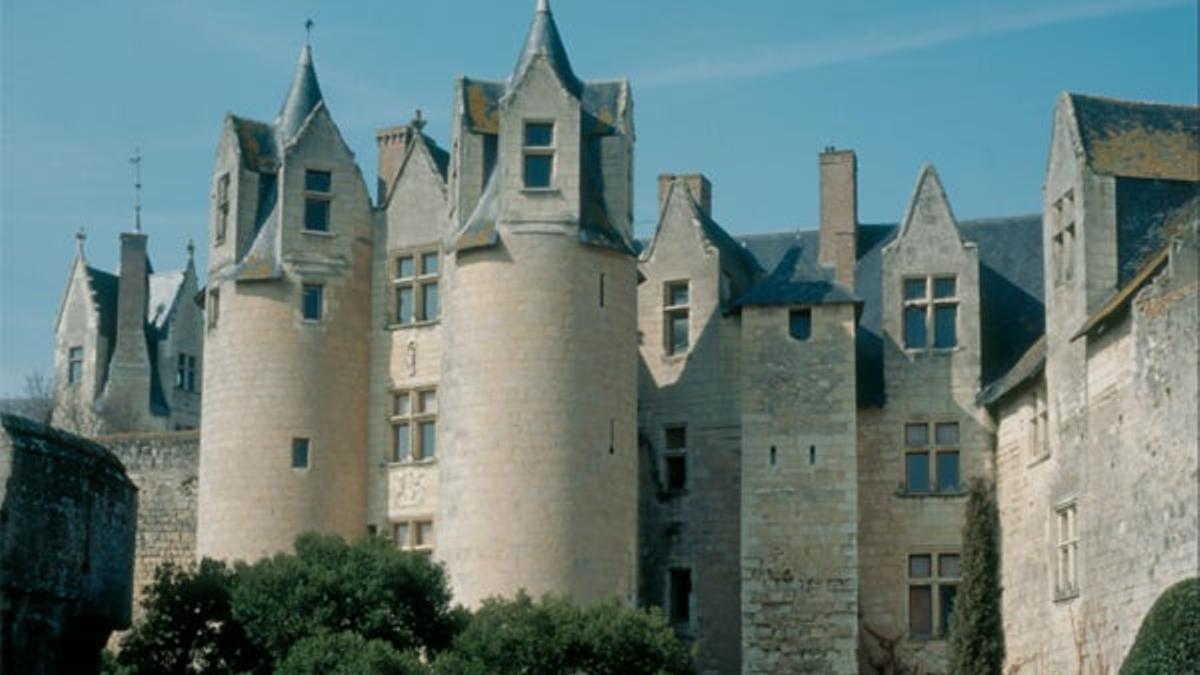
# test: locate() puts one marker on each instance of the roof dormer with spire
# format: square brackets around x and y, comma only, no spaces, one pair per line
[526,148]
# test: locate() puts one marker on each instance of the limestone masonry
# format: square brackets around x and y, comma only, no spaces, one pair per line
[768,436]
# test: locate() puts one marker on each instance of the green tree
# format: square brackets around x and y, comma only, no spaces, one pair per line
[187,626]
[556,636]
[1169,638]
[347,653]
[326,586]
[976,628]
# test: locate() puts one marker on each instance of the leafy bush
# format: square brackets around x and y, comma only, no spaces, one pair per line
[1169,639]
[187,626]
[976,625]
[556,636]
[327,586]
[347,653]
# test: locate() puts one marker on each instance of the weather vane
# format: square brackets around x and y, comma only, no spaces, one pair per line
[308,24]
[136,161]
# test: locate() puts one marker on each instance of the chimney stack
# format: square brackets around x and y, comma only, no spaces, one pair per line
[839,213]
[700,187]
[127,391]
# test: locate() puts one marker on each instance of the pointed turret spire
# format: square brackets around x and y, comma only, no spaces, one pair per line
[303,96]
[544,39]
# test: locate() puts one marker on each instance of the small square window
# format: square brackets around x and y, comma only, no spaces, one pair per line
[948,566]
[427,402]
[313,301]
[539,134]
[405,268]
[914,289]
[920,566]
[676,437]
[400,404]
[800,324]
[317,181]
[916,435]
[945,287]
[400,533]
[538,170]
[424,534]
[947,433]
[300,448]
[429,263]
[316,215]
[677,294]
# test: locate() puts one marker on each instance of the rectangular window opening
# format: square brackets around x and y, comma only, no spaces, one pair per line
[413,422]
[74,364]
[680,595]
[800,324]
[415,281]
[313,302]
[300,452]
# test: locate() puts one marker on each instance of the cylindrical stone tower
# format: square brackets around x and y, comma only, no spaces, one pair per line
[283,436]
[538,473]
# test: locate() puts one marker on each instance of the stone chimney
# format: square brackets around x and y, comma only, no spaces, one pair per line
[126,396]
[839,213]
[696,182]
[392,143]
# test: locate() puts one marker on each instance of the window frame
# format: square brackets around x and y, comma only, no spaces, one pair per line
[185,372]
[547,151]
[305,288]
[415,418]
[929,303]
[313,196]
[672,604]
[672,312]
[937,583]
[75,364]
[804,313]
[932,450]
[212,308]
[307,444]
[677,456]
[1065,521]
[222,208]
[413,540]
[416,283]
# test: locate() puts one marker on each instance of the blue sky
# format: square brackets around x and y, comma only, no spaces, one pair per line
[746,92]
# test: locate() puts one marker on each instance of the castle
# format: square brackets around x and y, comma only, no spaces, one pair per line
[768,436]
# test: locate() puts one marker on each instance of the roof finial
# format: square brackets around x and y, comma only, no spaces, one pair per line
[136,161]
[191,250]
[308,26]
[418,121]
[80,237]
[543,6]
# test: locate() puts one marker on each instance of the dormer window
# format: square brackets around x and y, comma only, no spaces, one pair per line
[933,313]
[318,188]
[539,154]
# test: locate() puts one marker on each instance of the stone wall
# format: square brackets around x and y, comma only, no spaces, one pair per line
[1131,473]
[163,466]
[67,520]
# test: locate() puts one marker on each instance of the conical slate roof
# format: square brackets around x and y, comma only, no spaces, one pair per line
[302,98]
[543,38]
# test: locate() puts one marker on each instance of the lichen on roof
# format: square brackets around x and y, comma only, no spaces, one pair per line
[1140,140]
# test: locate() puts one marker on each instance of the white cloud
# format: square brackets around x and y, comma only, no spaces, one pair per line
[785,58]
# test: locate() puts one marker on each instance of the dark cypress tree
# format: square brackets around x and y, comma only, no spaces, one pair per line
[976,630]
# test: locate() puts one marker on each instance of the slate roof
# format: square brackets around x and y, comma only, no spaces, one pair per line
[543,39]
[1012,314]
[302,98]
[104,297]
[162,289]
[797,280]
[1027,367]
[1139,140]
[1144,207]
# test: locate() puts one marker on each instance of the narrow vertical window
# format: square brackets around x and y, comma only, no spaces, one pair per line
[675,458]
[1067,552]
[539,154]
[800,324]
[947,475]
[212,309]
[312,301]
[675,317]
[680,595]
[222,208]
[74,365]
[300,451]
[185,372]
[318,187]
[602,289]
